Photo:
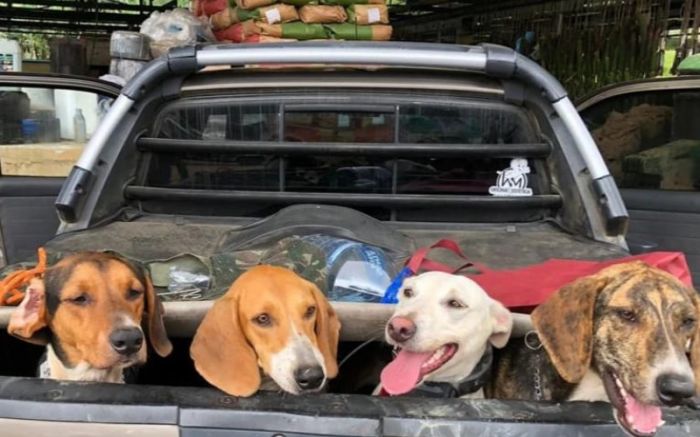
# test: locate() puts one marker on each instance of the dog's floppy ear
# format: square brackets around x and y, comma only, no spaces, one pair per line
[694,352]
[221,353]
[154,318]
[502,324]
[327,331]
[564,324]
[28,320]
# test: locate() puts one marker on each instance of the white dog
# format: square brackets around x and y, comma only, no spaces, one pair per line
[443,326]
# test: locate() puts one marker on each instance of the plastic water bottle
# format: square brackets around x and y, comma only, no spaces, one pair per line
[357,272]
[79,127]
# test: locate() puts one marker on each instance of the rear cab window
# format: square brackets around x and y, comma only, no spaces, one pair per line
[379,120]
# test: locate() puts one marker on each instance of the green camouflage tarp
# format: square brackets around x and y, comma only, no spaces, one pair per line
[221,269]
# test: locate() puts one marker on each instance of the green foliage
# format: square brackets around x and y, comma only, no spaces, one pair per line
[35,46]
[669,58]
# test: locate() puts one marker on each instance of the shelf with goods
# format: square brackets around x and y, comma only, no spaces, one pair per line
[294,20]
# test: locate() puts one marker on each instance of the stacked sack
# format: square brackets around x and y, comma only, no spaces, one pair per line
[160,32]
[294,20]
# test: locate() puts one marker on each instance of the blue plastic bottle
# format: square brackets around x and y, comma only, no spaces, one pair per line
[356,272]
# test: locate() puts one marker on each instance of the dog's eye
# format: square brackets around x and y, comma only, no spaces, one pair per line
[627,315]
[688,323]
[81,300]
[134,294]
[263,320]
[310,312]
[407,292]
[454,303]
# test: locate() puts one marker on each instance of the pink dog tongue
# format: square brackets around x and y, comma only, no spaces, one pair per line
[403,374]
[641,417]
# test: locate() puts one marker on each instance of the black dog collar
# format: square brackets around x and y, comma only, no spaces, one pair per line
[471,384]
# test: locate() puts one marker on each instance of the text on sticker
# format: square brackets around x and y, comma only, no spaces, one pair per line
[512,181]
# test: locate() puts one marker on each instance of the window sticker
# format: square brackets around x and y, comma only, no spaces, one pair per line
[513,180]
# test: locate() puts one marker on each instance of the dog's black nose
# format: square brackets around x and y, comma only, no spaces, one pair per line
[401,329]
[674,389]
[126,341]
[309,378]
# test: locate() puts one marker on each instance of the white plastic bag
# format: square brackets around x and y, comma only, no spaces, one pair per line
[175,28]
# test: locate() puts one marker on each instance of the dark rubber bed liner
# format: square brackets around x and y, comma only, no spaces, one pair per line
[498,246]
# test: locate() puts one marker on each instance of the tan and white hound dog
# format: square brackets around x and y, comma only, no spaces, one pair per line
[89,310]
[270,319]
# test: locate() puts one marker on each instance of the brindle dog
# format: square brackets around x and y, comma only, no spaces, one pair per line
[628,335]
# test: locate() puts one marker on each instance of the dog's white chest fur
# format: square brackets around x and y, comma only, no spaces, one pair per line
[54,369]
[590,389]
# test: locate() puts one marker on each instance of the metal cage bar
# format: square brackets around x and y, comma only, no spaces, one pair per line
[165,145]
[491,60]
[355,199]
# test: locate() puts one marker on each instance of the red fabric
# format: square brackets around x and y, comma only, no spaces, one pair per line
[197,8]
[235,33]
[525,288]
[529,286]
[252,39]
[211,7]
[419,259]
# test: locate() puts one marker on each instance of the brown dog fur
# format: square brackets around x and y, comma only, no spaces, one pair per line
[79,302]
[620,319]
[231,343]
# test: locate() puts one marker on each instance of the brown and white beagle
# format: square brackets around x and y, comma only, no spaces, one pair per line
[270,319]
[628,335]
[89,310]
